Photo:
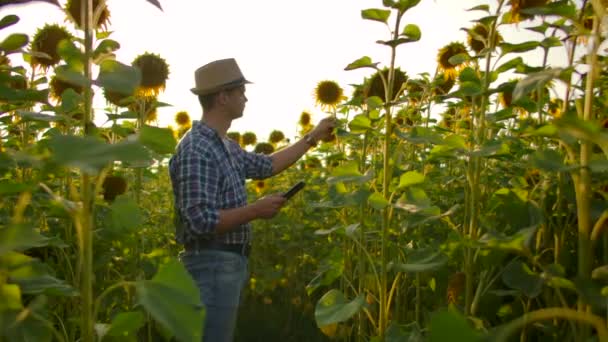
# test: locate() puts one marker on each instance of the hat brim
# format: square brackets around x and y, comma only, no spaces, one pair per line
[233,84]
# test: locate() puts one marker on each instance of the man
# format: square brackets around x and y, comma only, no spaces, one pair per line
[208,173]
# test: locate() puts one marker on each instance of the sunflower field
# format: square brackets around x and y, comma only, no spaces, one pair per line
[468,203]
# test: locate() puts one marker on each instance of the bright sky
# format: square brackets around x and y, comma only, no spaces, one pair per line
[284,47]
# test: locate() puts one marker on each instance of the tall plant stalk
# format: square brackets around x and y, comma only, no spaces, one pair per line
[475,167]
[387,176]
[85,216]
[582,177]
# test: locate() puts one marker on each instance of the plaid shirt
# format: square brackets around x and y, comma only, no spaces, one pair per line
[208,174]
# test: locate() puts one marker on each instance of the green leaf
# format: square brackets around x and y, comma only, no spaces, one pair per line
[451,326]
[173,299]
[589,131]
[374,102]
[14,42]
[485,8]
[377,201]
[600,165]
[8,186]
[559,8]
[459,58]
[404,5]
[518,242]
[420,135]
[360,124]
[347,172]
[70,75]
[469,75]
[334,308]
[33,276]
[11,95]
[105,46]
[117,77]
[517,275]
[70,100]
[10,297]
[410,178]
[550,42]
[548,160]
[20,237]
[511,64]
[376,14]
[491,149]
[363,62]
[40,117]
[470,89]
[159,140]
[533,81]
[24,327]
[600,273]
[412,32]
[91,154]
[424,260]
[126,215]
[71,54]
[8,20]
[518,48]
[126,324]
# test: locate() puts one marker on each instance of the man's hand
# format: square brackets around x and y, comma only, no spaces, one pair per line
[268,206]
[324,129]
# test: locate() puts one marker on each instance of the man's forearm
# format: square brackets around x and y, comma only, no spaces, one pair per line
[284,158]
[231,218]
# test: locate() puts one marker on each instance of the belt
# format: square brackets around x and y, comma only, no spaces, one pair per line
[200,245]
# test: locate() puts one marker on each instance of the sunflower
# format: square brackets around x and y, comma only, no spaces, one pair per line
[73,8]
[235,136]
[443,84]
[328,94]
[57,87]
[276,137]
[113,186]
[555,108]
[482,31]
[304,119]
[505,97]
[154,73]
[264,147]
[415,90]
[518,5]
[249,138]
[443,58]
[375,85]
[259,186]
[182,119]
[45,41]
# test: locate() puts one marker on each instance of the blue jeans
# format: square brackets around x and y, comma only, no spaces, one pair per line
[220,276]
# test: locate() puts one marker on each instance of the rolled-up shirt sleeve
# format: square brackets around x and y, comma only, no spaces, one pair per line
[256,165]
[198,184]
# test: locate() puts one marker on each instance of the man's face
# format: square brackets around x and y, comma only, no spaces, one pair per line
[235,102]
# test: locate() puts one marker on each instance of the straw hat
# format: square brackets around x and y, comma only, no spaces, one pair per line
[218,75]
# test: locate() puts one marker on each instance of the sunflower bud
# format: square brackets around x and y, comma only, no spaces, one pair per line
[154,73]
[264,148]
[46,41]
[249,138]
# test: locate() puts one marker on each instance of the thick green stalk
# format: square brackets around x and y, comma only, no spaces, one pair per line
[383,319]
[475,167]
[87,197]
[552,313]
[582,180]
